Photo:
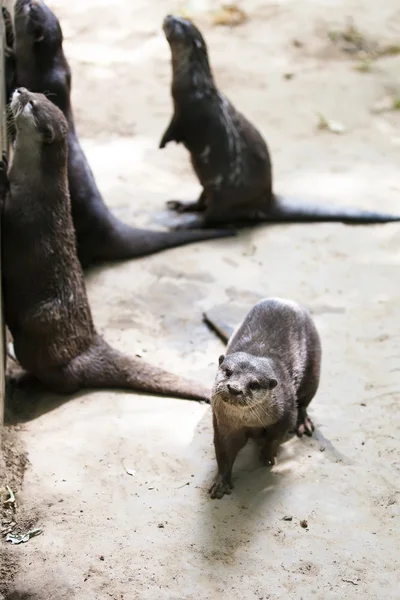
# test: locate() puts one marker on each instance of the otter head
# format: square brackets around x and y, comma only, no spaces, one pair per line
[244,380]
[34,22]
[189,51]
[37,119]
[41,64]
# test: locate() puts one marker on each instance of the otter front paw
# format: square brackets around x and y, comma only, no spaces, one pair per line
[221,486]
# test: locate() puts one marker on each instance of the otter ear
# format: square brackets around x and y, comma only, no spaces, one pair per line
[272,384]
[48,134]
[221,359]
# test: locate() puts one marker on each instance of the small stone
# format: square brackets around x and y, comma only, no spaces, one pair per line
[297,43]
[287,518]
[304,524]
[161,525]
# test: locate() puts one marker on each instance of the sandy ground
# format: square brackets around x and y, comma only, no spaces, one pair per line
[155,534]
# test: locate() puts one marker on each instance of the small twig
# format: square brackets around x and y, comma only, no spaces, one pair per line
[353,581]
[181,486]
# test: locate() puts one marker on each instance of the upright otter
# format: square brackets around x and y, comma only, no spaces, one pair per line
[228,154]
[45,300]
[41,66]
[265,382]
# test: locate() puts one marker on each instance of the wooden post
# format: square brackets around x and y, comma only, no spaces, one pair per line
[3,146]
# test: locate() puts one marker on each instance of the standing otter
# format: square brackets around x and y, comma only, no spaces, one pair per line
[265,382]
[45,300]
[41,66]
[228,154]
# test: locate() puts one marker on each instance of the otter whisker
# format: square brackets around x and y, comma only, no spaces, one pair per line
[253,412]
[264,409]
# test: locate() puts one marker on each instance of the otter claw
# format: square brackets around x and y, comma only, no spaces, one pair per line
[268,454]
[304,425]
[220,487]
[268,461]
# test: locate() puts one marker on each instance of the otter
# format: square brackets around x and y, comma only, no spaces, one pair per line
[45,300]
[264,384]
[41,66]
[228,154]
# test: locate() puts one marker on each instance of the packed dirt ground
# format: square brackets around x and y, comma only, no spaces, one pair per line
[118,482]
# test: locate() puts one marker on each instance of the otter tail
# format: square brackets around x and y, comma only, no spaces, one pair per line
[103,367]
[123,242]
[292,211]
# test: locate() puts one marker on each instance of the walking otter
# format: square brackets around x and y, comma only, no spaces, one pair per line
[45,300]
[41,66]
[264,384]
[228,154]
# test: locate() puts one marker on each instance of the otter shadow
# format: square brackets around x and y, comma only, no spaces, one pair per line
[30,400]
[21,596]
[255,504]
[264,501]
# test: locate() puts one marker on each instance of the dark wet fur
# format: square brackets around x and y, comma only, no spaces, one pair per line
[228,154]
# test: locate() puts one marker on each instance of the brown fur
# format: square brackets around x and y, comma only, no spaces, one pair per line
[41,66]
[45,300]
[264,384]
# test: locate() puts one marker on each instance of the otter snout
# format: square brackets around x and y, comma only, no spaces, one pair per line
[174,28]
[20,98]
[21,90]
[233,389]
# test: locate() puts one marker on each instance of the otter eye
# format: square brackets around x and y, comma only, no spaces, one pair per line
[228,372]
[31,103]
[254,385]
